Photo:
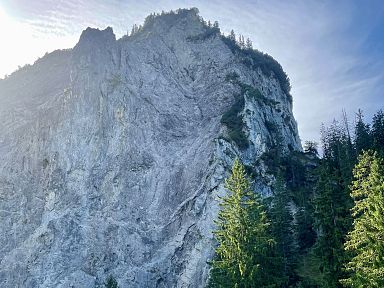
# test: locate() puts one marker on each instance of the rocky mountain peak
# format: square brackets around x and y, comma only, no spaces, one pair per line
[180,17]
[94,36]
[93,39]
[117,168]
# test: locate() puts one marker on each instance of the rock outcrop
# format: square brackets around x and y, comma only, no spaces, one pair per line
[112,154]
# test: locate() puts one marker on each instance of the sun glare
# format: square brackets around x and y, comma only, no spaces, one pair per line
[22,44]
[19,46]
[15,38]
[4,22]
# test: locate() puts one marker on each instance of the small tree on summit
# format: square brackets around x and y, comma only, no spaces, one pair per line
[241,42]
[248,44]
[245,255]
[232,36]
[135,29]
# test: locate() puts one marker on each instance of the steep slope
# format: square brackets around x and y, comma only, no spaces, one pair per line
[112,154]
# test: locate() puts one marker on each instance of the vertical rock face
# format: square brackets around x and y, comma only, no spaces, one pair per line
[112,155]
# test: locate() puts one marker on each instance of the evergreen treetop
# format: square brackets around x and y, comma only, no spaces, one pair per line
[245,255]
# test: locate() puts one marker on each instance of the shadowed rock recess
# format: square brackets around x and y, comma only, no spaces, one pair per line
[113,153]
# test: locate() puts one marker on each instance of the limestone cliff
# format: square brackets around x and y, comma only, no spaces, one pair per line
[112,154]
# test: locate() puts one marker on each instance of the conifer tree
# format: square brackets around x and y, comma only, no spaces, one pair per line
[132,30]
[378,132]
[245,255]
[362,138]
[329,246]
[232,36]
[248,44]
[135,29]
[366,239]
[241,42]
[281,224]
[332,205]
[111,282]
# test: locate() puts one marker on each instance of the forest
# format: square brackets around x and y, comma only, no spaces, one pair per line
[324,224]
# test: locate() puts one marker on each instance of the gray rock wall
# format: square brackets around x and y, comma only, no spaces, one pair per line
[112,157]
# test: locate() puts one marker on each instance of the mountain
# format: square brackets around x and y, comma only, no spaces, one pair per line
[113,153]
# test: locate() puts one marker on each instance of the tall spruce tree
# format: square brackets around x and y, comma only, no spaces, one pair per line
[248,44]
[377,132]
[232,36]
[245,255]
[329,246]
[366,239]
[332,205]
[362,134]
[282,230]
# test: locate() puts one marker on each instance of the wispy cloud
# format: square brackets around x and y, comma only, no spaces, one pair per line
[331,50]
[323,47]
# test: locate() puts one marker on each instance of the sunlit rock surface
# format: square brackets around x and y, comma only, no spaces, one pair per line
[112,155]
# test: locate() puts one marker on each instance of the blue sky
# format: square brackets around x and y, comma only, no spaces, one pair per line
[333,51]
